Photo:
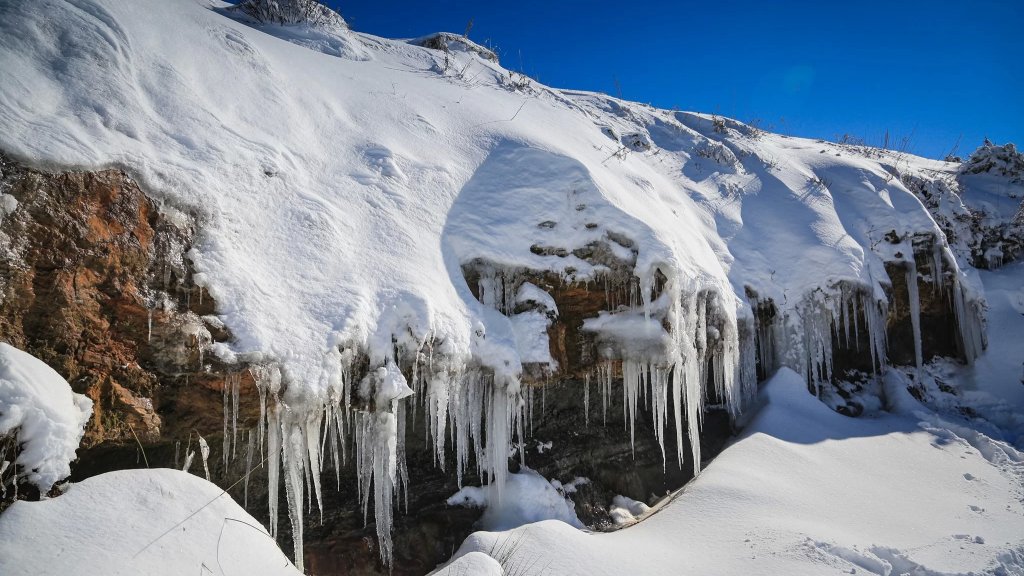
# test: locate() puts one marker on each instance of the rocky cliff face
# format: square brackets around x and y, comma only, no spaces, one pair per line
[94,279]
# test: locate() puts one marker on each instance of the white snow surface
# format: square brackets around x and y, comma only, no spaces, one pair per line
[48,419]
[157,522]
[338,192]
[809,491]
[624,510]
[527,497]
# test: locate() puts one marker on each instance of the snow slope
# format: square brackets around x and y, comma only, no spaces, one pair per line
[339,183]
[809,491]
[159,522]
[47,419]
[333,193]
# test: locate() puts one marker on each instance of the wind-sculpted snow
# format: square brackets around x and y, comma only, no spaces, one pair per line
[343,190]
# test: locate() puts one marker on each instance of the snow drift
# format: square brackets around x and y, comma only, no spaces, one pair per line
[138,522]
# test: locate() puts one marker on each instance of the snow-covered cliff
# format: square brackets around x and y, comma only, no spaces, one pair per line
[373,215]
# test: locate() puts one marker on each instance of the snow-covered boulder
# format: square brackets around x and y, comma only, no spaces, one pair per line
[46,418]
[291,12]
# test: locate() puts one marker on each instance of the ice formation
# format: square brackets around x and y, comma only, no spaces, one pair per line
[204,453]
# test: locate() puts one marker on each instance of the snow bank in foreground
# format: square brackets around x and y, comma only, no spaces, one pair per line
[807,491]
[152,522]
[527,497]
[38,406]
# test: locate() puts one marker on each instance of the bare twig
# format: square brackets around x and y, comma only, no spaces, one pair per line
[144,459]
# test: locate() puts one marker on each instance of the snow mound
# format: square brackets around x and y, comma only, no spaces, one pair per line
[625,511]
[47,419]
[527,497]
[158,522]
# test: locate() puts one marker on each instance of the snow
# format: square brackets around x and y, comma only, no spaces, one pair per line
[137,522]
[476,563]
[343,185]
[527,497]
[809,491]
[47,418]
[625,511]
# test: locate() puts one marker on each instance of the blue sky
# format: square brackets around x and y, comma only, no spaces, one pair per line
[926,71]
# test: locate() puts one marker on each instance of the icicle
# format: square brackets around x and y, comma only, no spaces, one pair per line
[844,302]
[856,326]
[249,448]
[273,463]
[586,400]
[969,322]
[498,427]
[402,482]
[260,425]
[236,380]
[875,313]
[204,449]
[333,433]
[632,376]
[438,391]
[177,449]
[377,467]
[605,382]
[293,459]
[226,390]
[311,438]
[149,325]
[915,312]
[659,405]
[188,460]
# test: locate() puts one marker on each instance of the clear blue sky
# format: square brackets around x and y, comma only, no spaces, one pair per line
[930,70]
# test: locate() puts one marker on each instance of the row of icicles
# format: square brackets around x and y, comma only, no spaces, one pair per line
[484,416]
